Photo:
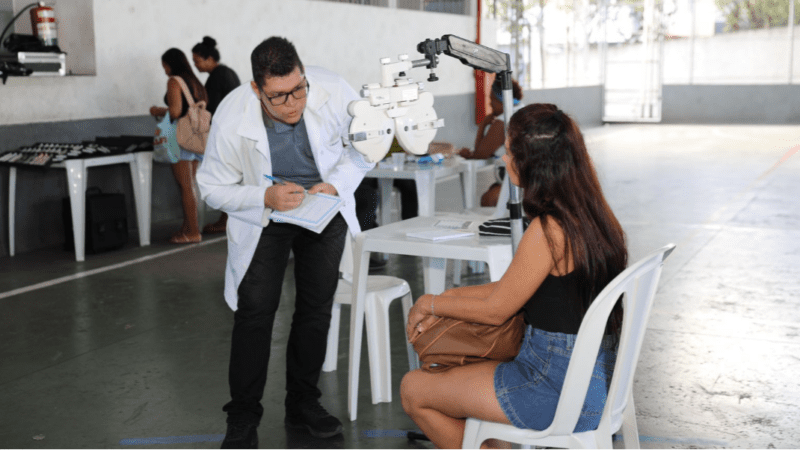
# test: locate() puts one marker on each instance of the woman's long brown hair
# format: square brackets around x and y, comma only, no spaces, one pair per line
[179,64]
[560,184]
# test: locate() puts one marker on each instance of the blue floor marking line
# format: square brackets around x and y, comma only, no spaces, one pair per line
[385,433]
[174,439]
[617,437]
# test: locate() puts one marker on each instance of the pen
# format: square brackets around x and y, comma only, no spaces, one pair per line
[274,179]
[277,180]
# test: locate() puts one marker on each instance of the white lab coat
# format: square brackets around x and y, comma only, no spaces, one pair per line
[231,176]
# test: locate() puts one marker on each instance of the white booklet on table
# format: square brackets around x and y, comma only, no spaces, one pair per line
[315,212]
[439,234]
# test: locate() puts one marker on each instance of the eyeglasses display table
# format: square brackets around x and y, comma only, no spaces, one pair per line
[76,165]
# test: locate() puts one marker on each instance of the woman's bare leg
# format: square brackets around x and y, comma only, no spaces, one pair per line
[440,403]
[184,172]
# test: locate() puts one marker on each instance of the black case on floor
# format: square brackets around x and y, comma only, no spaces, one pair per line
[106,222]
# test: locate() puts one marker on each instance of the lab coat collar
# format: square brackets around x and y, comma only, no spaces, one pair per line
[252,125]
[317,95]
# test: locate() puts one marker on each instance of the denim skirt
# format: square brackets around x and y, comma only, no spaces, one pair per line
[528,387]
[186,155]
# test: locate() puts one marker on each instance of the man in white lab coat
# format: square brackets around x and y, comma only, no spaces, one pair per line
[289,123]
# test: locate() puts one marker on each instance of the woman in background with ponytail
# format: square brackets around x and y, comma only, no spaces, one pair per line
[221,80]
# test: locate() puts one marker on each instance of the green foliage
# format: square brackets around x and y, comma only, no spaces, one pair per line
[753,14]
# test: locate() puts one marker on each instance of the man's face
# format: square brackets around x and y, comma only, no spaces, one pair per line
[289,112]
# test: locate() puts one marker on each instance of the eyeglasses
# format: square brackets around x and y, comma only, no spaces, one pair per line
[300,92]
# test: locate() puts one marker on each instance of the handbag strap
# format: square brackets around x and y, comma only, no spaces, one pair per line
[185,89]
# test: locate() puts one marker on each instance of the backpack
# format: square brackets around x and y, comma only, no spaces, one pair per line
[192,129]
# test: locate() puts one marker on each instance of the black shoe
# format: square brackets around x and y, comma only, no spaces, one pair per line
[313,417]
[241,435]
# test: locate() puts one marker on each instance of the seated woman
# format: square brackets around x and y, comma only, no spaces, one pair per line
[572,249]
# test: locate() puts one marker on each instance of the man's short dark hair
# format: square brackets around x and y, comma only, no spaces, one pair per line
[275,57]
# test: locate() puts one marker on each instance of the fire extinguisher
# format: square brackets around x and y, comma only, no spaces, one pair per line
[43,23]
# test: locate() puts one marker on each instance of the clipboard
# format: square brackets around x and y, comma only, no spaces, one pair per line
[314,213]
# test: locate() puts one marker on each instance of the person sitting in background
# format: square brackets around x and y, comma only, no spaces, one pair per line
[176,65]
[572,249]
[490,137]
[221,80]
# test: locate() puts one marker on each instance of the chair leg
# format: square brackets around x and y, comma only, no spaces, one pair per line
[332,351]
[477,267]
[382,314]
[457,272]
[413,360]
[378,349]
[471,432]
[630,431]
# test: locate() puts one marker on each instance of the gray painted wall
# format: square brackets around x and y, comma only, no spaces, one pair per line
[39,192]
[583,104]
[754,104]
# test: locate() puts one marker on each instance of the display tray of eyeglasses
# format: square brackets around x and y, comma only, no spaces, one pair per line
[44,154]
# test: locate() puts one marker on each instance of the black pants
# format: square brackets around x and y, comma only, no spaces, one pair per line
[366,196]
[316,271]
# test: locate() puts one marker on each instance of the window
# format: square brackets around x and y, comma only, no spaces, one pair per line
[442,6]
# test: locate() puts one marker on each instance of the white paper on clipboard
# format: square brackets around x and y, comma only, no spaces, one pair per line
[314,213]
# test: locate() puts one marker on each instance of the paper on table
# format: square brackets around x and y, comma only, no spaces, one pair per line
[315,212]
[439,234]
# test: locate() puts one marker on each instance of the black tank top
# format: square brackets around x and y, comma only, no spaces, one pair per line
[553,306]
[184,103]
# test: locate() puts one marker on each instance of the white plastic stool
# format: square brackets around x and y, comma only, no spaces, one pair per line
[381,291]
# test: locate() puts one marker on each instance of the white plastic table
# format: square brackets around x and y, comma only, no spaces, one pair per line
[495,251]
[425,176]
[141,165]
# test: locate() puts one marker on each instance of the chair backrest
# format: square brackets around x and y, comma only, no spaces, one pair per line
[638,283]
[501,209]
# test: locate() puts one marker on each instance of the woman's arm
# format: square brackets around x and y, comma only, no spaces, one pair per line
[486,144]
[174,100]
[158,111]
[479,291]
[529,268]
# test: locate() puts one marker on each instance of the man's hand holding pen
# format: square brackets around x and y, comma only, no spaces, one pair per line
[283,196]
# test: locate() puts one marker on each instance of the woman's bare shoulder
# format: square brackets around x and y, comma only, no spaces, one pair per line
[549,236]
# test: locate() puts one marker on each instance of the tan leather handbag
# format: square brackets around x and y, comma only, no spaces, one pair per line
[192,129]
[451,342]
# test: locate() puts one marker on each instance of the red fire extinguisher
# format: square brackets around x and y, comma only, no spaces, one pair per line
[43,22]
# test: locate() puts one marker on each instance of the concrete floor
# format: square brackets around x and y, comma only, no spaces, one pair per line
[129,349]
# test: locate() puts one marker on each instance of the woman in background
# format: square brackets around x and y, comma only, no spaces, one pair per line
[176,64]
[221,80]
[491,136]
[572,249]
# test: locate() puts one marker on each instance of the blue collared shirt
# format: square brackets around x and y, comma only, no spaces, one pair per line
[292,158]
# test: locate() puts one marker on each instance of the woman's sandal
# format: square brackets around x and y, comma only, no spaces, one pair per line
[182,238]
[214,228]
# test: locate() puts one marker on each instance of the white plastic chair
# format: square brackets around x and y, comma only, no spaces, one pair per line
[638,282]
[488,213]
[381,291]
